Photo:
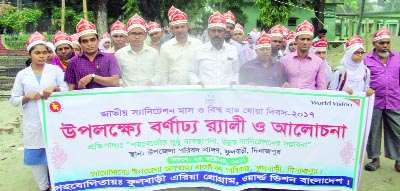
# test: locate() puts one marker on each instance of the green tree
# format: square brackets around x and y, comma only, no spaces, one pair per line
[233,5]
[274,12]
[11,17]
[392,5]
[72,17]
[155,10]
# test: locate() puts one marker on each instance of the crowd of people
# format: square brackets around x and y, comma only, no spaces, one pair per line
[224,56]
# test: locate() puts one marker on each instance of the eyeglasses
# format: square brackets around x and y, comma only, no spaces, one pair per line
[359,53]
[136,34]
[276,41]
[85,41]
[384,42]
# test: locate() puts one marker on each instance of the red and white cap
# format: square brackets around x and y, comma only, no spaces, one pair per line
[105,36]
[229,17]
[74,39]
[136,22]
[254,30]
[171,11]
[153,27]
[216,20]
[291,36]
[320,45]
[118,28]
[35,39]
[275,31]
[305,28]
[85,27]
[61,38]
[381,34]
[264,41]
[285,31]
[353,42]
[238,27]
[178,17]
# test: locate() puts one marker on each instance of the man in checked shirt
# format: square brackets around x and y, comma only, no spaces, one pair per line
[93,68]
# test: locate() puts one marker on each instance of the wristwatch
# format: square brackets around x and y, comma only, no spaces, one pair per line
[93,76]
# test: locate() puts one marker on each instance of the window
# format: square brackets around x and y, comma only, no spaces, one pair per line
[292,21]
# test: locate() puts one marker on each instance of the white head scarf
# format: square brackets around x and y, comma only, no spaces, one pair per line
[101,44]
[287,51]
[254,37]
[355,70]
[51,46]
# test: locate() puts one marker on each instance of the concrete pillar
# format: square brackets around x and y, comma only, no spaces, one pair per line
[342,28]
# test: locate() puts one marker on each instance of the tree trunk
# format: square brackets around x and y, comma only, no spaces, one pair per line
[319,6]
[100,9]
[19,4]
[361,17]
[63,16]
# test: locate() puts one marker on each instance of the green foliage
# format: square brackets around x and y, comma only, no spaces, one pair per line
[353,5]
[157,10]
[272,12]
[16,19]
[233,5]
[130,8]
[71,19]
[392,5]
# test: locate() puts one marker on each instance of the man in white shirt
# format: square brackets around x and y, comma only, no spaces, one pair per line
[119,35]
[216,62]
[176,54]
[230,27]
[140,64]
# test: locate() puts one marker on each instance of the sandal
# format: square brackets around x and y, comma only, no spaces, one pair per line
[397,166]
[371,166]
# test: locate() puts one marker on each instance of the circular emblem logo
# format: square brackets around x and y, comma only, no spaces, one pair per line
[55,106]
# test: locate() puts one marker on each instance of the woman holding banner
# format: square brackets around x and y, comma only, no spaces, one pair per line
[37,81]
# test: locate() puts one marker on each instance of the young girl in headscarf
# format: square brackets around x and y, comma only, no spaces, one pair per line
[352,75]
[291,45]
[105,42]
[252,38]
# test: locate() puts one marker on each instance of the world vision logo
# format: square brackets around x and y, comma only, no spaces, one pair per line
[356,101]
[55,107]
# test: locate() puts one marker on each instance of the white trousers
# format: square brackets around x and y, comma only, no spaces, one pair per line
[40,172]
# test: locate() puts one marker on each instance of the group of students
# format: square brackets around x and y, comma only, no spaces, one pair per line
[279,58]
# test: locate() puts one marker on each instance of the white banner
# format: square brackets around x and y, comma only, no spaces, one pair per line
[223,138]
